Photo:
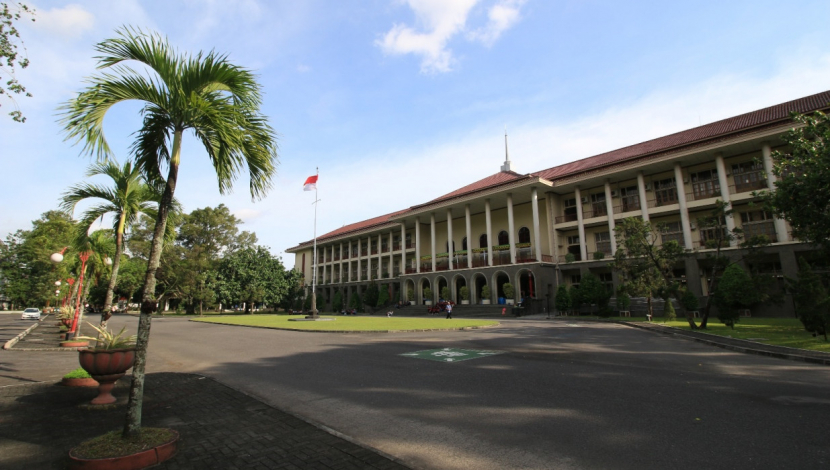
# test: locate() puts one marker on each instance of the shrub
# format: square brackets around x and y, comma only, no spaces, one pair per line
[78,373]
[623,301]
[735,291]
[337,302]
[428,294]
[689,301]
[465,293]
[563,299]
[383,296]
[445,293]
[811,301]
[509,290]
[108,340]
[485,292]
[570,258]
[598,255]
[410,294]
[356,303]
[668,311]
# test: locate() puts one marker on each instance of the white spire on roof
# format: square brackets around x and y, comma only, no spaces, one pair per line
[507,165]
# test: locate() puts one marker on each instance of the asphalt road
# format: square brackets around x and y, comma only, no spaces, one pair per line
[561,395]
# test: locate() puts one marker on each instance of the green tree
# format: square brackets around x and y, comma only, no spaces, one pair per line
[252,275]
[9,53]
[126,199]
[563,299]
[27,275]
[337,302]
[576,297]
[645,267]
[735,292]
[203,93]
[383,296]
[356,303]
[371,294]
[593,291]
[811,300]
[801,193]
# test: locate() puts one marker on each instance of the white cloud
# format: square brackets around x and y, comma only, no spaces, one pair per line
[71,21]
[501,17]
[302,68]
[438,22]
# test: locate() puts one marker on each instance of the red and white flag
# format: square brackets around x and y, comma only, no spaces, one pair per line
[310,183]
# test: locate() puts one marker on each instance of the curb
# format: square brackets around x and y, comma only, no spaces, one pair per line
[748,349]
[20,336]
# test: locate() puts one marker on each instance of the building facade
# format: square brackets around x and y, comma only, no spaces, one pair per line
[551,227]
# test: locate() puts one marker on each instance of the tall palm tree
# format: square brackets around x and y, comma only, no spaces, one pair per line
[204,94]
[129,197]
[99,245]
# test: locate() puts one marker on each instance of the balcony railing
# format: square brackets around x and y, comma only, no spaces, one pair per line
[763,228]
[409,245]
[525,255]
[384,275]
[345,255]
[704,190]
[566,218]
[384,249]
[628,204]
[411,270]
[337,257]
[374,250]
[479,259]
[396,246]
[604,247]
[363,252]
[598,209]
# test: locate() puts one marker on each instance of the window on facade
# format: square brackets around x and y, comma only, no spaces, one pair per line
[482,241]
[408,240]
[748,176]
[504,238]
[598,206]
[705,184]
[758,223]
[665,191]
[573,240]
[575,279]
[630,199]
[524,235]
[672,231]
[464,243]
[603,241]
[447,245]
[570,210]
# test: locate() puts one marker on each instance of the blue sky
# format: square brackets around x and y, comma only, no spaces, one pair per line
[400,101]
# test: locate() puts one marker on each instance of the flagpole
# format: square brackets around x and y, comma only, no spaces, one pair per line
[314,256]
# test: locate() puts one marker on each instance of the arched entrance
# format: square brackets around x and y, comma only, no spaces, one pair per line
[526,281]
[423,284]
[500,278]
[409,290]
[441,283]
[479,281]
[458,282]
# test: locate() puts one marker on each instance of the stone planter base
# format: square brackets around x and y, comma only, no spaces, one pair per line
[485,302]
[465,302]
[86,382]
[143,459]
[510,301]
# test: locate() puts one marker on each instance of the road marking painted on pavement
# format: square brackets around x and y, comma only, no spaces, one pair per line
[451,354]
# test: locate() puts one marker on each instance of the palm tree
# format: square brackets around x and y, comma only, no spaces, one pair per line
[203,93]
[129,198]
[99,245]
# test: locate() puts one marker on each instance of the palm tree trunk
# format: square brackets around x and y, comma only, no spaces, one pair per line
[116,262]
[148,300]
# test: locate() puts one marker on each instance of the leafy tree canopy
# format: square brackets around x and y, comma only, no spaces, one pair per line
[253,275]
[10,58]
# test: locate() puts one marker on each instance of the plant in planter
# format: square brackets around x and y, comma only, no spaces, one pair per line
[410,295]
[108,361]
[427,296]
[485,295]
[445,293]
[79,378]
[509,293]
[570,258]
[465,295]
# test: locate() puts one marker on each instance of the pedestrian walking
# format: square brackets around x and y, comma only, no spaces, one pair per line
[449,310]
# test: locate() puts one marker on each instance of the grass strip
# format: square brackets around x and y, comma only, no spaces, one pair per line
[345,323]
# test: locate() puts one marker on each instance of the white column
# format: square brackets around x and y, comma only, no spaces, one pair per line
[449,238]
[359,264]
[391,254]
[489,232]
[510,229]
[780,226]
[380,256]
[552,209]
[609,207]
[349,264]
[724,194]
[641,188]
[583,244]
[325,264]
[469,236]
[684,211]
[432,238]
[417,244]
[537,238]
[403,249]
[342,277]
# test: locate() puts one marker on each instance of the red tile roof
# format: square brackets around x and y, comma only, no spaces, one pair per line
[779,112]
[771,115]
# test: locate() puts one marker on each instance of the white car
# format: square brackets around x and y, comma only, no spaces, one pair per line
[31,314]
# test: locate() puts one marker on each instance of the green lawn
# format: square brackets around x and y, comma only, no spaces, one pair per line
[345,323]
[787,332]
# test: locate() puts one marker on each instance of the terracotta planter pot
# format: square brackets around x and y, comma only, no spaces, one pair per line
[106,366]
[143,459]
[66,322]
[74,344]
[85,382]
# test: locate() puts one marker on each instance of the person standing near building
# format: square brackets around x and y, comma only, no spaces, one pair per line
[449,310]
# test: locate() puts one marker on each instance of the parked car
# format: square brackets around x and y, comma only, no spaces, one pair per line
[31,314]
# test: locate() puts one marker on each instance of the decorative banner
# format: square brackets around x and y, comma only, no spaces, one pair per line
[451,354]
